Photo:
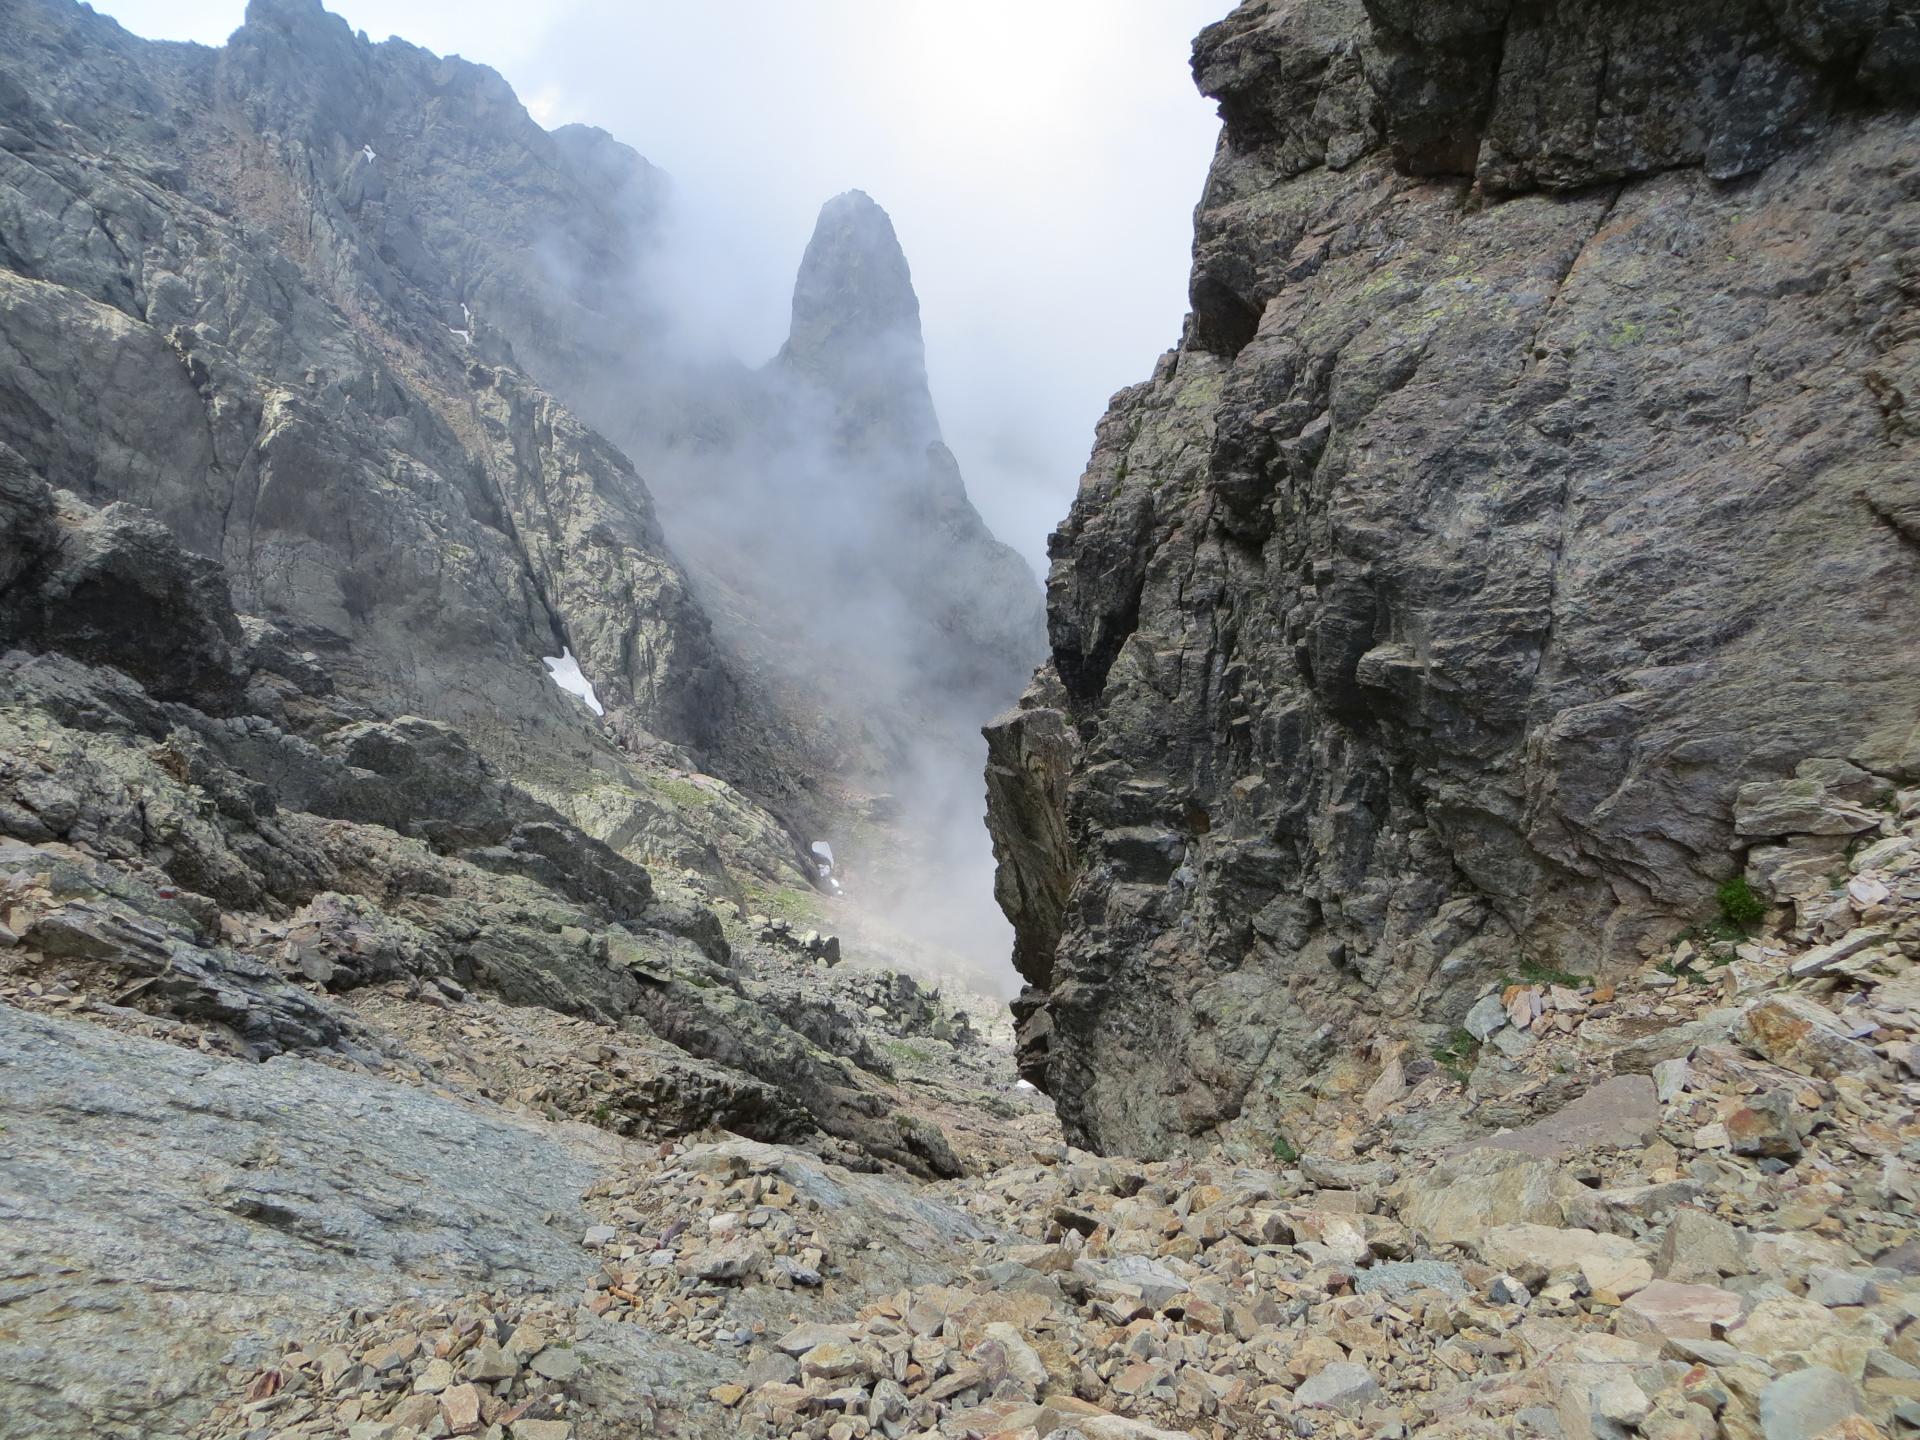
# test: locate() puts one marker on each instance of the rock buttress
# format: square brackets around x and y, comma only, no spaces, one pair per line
[1528,479]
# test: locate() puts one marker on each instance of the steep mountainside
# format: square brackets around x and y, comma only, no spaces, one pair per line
[330,309]
[1536,472]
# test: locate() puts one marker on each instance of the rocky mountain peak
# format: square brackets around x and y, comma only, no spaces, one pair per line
[856,325]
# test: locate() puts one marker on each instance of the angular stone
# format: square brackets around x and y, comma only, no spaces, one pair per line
[1664,1310]
[1698,1247]
[1801,1035]
[1343,1385]
[1807,1403]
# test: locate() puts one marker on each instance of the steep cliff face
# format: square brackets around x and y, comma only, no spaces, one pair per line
[1536,470]
[221,301]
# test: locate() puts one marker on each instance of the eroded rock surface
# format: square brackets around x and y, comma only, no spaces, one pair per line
[1525,492]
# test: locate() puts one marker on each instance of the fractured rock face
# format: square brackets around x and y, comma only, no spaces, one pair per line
[1491,558]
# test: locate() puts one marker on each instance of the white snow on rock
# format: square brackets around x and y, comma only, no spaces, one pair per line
[823,864]
[466,336]
[367,151]
[565,671]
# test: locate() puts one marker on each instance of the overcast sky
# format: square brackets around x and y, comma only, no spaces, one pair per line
[1040,161]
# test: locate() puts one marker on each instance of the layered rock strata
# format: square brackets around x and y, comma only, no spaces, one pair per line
[1535,471]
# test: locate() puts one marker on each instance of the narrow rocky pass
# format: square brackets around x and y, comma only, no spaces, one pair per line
[497,791]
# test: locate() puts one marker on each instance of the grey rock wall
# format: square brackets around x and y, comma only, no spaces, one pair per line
[1535,472]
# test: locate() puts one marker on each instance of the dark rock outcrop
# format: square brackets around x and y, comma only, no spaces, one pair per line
[149,785]
[1531,478]
[224,303]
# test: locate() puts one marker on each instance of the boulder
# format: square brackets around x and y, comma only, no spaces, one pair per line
[1538,1254]
[1801,1035]
[1620,1112]
[1664,1310]
[1468,1194]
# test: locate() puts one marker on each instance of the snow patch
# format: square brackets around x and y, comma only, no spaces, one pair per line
[565,671]
[823,865]
[1025,1085]
[366,152]
[466,336]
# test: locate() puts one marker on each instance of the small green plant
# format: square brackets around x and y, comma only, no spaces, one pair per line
[601,1114]
[1628,332]
[1532,972]
[684,794]
[1457,1054]
[785,902]
[1284,1150]
[1739,906]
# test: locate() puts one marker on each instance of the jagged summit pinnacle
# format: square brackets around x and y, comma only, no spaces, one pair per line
[856,321]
